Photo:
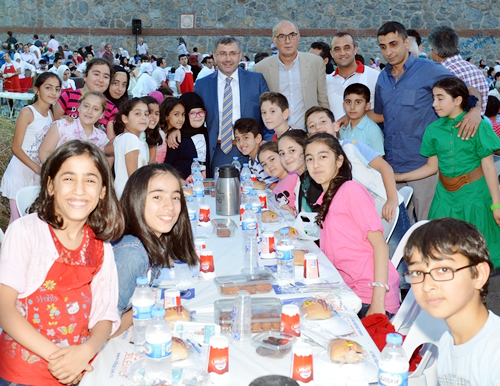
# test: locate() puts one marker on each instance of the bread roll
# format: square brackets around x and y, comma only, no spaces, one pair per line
[315,309]
[345,351]
[293,233]
[188,192]
[259,185]
[269,216]
[179,349]
[298,256]
[177,314]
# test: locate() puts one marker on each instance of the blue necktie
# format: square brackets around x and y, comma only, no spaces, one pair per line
[226,132]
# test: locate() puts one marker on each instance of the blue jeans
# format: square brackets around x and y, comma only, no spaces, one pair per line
[364,309]
[3,382]
[402,226]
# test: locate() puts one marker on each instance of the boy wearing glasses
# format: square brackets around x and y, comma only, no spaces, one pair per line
[448,269]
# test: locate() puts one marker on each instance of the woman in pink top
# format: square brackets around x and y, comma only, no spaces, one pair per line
[351,233]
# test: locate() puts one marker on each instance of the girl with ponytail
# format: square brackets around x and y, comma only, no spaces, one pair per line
[351,233]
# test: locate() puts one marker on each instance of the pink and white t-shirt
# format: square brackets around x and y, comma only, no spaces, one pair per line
[344,241]
[74,130]
[284,190]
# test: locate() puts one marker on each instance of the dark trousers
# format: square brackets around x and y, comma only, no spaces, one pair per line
[221,158]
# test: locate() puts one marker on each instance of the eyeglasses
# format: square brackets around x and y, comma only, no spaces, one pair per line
[291,36]
[438,274]
[232,54]
[197,114]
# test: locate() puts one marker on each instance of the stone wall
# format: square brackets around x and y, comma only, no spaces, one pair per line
[79,23]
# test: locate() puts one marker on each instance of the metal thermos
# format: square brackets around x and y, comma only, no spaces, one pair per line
[228,191]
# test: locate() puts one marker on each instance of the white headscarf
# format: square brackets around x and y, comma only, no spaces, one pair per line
[147,68]
[145,82]
[61,70]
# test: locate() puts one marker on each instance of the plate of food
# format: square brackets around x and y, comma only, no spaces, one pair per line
[319,316]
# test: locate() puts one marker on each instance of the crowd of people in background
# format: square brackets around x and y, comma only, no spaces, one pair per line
[325,130]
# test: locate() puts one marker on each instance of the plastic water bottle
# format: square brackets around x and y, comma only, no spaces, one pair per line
[195,166]
[158,348]
[242,317]
[143,301]
[192,213]
[236,163]
[246,189]
[197,175]
[393,363]
[284,253]
[249,221]
[245,171]
[199,191]
[257,209]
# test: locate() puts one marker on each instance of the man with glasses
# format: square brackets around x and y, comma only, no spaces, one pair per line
[228,94]
[449,269]
[298,76]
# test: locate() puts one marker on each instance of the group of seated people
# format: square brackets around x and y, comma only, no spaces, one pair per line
[59,257]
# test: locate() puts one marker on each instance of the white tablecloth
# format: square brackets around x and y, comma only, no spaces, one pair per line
[118,355]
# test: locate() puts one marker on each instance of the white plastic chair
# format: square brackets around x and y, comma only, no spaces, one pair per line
[388,226]
[25,197]
[406,192]
[406,315]
[398,253]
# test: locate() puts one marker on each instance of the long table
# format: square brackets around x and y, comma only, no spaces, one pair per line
[116,358]
[21,96]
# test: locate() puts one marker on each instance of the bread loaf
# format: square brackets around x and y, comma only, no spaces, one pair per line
[345,351]
[315,309]
[269,216]
[179,349]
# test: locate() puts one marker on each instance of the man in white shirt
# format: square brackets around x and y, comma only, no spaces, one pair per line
[208,67]
[142,48]
[159,73]
[56,65]
[184,76]
[28,57]
[348,71]
[35,51]
[83,65]
[53,43]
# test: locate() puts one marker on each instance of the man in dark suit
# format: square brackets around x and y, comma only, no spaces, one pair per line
[228,94]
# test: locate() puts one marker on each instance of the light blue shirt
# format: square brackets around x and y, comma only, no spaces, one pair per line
[366,131]
[291,87]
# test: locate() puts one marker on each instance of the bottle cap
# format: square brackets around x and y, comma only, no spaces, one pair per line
[235,158]
[142,280]
[394,338]
[253,192]
[248,206]
[284,231]
[195,159]
[189,198]
[245,164]
[158,312]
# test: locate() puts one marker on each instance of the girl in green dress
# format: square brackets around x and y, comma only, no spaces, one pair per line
[468,185]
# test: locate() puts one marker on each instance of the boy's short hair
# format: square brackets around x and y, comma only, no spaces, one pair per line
[318,109]
[394,27]
[268,146]
[181,55]
[492,107]
[247,125]
[449,236]
[358,89]
[276,98]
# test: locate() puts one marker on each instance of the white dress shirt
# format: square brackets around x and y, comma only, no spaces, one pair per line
[235,85]
[291,87]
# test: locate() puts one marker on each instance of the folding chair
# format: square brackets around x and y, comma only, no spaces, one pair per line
[406,192]
[25,197]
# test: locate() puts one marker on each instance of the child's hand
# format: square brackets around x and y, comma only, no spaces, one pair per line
[389,209]
[288,208]
[68,363]
[68,118]
[174,139]
[343,121]
[496,216]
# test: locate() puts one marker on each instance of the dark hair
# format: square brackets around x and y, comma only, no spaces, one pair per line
[268,146]
[247,125]
[318,109]
[179,241]
[52,36]
[298,136]
[106,220]
[359,58]
[127,107]
[226,40]
[153,137]
[182,55]
[124,98]
[276,98]
[492,107]
[159,61]
[454,87]
[9,33]
[447,236]
[414,33]
[206,58]
[166,108]
[35,36]
[166,91]
[260,56]
[344,173]
[325,49]
[341,34]
[394,27]
[41,79]
[358,89]
[444,42]
[195,49]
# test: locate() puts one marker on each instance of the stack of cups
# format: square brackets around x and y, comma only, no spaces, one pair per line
[218,360]
[311,268]
[242,317]
[207,267]
[263,199]
[183,275]
[302,363]
[268,254]
[290,319]
[171,298]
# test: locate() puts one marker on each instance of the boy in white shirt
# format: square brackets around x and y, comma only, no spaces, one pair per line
[448,269]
